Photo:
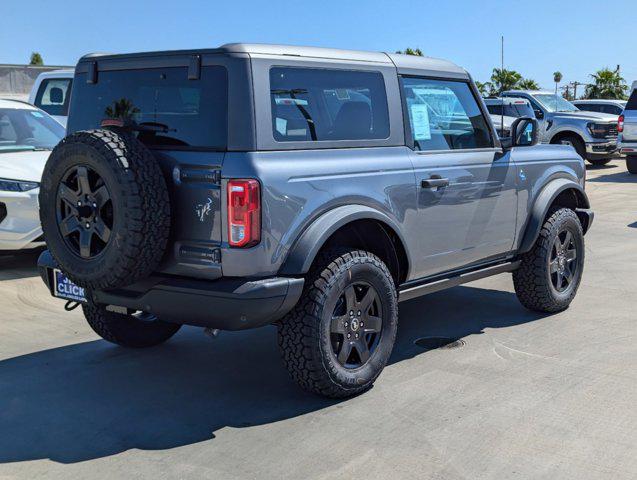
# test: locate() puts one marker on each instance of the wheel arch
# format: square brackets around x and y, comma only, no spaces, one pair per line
[566,133]
[356,226]
[560,192]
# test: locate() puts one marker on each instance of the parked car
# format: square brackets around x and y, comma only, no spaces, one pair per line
[592,134]
[51,93]
[612,107]
[319,191]
[628,131]
[511,107]
[27,136]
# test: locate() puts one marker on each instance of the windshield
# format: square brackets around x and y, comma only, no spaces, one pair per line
[22,129]
[555,103]
[168,109]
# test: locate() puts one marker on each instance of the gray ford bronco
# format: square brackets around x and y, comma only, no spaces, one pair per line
[309,188]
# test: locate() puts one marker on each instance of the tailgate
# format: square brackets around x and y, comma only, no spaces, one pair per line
[194,184]
[630,126]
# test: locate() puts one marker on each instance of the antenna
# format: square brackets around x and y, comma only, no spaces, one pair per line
[501,74]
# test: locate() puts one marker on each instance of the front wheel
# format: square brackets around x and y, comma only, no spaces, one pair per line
[598,162]
[549,275]
[135,330]
[338,338]
[631,163]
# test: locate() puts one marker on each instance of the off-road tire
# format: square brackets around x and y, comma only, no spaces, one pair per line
[532,279]
[303,335]
[631,163]
[598,162]
[128,330]
[141,218]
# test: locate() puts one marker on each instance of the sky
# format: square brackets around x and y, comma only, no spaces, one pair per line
[574,37]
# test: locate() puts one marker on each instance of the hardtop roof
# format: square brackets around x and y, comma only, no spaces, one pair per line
[407,62]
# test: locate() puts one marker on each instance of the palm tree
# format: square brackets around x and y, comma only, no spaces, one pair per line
[557,78]
[528,84]
[484,88]
[503,79]
[122,109]
[607,84]
[412,51]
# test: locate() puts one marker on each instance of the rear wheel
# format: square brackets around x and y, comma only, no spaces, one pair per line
[338,338]
[631,163]
[136,330]
[549,275]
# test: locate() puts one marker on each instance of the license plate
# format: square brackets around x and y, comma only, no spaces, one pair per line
[65,288]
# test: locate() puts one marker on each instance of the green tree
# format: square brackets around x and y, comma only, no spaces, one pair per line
[411,51]
[503,79]
[557,78]
[36,59]
[484,88]
[528,84]
[608,84]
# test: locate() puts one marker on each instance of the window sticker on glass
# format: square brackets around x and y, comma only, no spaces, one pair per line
[36,114]
[420,121]
[281,126]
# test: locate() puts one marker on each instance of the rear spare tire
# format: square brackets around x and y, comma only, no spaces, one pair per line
[104,208]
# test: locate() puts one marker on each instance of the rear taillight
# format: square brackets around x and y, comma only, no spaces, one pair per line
[620,124]
[244,213]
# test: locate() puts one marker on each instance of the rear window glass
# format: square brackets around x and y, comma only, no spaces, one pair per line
[632,101]
[53,96]
[170,110]
[522,109]
[311,104]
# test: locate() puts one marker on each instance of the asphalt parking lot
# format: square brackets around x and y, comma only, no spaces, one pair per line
[527,396]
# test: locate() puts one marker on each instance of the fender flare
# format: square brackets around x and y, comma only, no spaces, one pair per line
[304,250]
[542,205]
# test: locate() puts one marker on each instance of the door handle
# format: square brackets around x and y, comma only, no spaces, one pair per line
[435,181]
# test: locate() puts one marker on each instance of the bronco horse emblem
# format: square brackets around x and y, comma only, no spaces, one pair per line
[204,209]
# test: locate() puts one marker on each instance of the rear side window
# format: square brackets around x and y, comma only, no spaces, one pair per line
[53,96]
[170,110]
[444,115]
[311,104]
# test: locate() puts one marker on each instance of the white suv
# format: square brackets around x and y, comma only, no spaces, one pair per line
[51,92]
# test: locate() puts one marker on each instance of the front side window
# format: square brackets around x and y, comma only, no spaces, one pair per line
[167,109]
[312,104]
[53,96]
[444,115]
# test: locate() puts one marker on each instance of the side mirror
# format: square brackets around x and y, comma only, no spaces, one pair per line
[539,114]
[524,132]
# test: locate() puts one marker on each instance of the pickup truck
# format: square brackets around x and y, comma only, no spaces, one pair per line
[628,131]
[592,134]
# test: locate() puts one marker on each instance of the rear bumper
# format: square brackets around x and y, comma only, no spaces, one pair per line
[226,304]
[628,148]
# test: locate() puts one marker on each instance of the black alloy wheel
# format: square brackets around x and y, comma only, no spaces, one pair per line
[562,261]
[84,211]
[356,325]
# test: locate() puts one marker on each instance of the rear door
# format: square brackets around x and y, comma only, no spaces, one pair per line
[466,187]
[181,114]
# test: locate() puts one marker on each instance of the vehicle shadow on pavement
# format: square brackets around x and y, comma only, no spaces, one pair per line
[622,176]
[456,314]
[20,265]
[93,399]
